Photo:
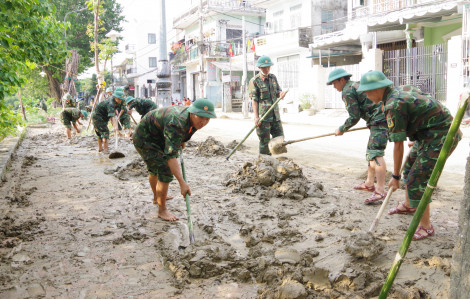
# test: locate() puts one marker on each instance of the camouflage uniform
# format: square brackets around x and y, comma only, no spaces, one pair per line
[143,106]
[359,106]
[158,138]
[81,105]
[69,116]
[43,105]
[69,104]
[265,90]
[103,112]
[414,114]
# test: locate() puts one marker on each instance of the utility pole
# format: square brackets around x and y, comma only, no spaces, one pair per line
[202,73]
[163,73]
[244,97]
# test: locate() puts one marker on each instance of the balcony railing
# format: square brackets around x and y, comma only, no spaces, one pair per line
[387,6]
[132,70]
[129,48]
[212,49]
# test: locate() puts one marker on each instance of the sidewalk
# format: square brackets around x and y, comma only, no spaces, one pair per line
[7,148]
[326,118]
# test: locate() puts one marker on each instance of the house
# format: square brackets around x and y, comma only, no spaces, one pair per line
[201,52]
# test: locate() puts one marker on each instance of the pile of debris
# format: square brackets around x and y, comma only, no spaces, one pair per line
[270,177]
[211,147]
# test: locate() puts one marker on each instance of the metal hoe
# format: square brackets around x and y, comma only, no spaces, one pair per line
[278,146]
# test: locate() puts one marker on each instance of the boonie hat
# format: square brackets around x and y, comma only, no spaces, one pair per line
[202,107]
[373,80]
[67,96]
[109,89]
[337,74]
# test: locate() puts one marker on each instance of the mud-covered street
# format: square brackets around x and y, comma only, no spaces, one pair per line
[76,224]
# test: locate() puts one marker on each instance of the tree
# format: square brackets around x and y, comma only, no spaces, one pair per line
[29,36]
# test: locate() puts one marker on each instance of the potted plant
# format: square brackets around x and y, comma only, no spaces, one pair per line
[307,103]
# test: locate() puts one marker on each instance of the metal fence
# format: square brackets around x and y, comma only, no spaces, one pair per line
[423,67]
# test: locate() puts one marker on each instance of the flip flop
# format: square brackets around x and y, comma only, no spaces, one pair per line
[362,186]
[418,236]
[405,210]
[376,196]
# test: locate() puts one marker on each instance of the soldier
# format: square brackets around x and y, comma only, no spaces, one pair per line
[80,104]
[69,103]
[142,106]
[414,114]
[71,116]
[359,106]
[103,112]
[264,90]
[158,139]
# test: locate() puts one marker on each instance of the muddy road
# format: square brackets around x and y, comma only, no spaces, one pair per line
[75,224]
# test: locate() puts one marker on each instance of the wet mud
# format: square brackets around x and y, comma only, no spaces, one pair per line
[75,224]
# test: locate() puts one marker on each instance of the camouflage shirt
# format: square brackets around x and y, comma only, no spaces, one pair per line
[69,104]
[265,91]
[359,106]
[143,106]
[71,114]
[107,109]
[166,128]
[414,114]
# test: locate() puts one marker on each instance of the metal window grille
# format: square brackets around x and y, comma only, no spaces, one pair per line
[423,67]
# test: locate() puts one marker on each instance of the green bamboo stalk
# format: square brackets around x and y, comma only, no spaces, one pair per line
[251,131]
[432,183]
[188,207]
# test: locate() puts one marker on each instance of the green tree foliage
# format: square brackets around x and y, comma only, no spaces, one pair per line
[29,36]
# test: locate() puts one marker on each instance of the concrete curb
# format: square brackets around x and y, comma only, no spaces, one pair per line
[8,147]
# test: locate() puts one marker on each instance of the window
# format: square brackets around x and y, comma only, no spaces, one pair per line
[277,21]
[152,38]
[288,71]
[326,21]
[152,61]
[295,16]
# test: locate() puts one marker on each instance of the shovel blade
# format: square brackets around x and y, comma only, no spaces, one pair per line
[116,155]
[276,145]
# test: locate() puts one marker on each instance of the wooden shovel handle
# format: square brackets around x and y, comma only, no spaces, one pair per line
[324,135]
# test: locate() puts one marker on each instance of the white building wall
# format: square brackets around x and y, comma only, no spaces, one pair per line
[454,73]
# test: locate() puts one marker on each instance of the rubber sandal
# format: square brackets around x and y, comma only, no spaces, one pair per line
[362,186]
[376,196]
[418,236]
[405,210]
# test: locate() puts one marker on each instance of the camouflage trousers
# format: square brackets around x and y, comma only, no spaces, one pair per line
[377,142]
[153,155]
[125,121]
[265,131]
[421,161]
[101,126]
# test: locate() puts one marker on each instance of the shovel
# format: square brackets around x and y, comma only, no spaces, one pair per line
[251,131]
[116,154]
[188,207]
[277,145]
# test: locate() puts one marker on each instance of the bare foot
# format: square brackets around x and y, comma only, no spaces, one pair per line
[168,197]
[166,215]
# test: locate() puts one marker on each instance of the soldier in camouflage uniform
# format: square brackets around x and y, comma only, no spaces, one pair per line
[159,137]
[264,91]
[104,111]
[68,101]
[71,116]
[359,106]
[414,114]
[81,104]
[142,106]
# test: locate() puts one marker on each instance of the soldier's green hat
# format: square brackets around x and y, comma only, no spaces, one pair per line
[84,113]
[109,89]
[203,108]
[337,74]
[119,94]
[373,80]
[129,99]
[264,61]
[67,96]
[119,89]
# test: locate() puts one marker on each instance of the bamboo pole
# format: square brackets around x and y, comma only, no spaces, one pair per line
[432,183]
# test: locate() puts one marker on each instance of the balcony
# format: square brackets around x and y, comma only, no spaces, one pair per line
[132,70]
[129,49]
[289,39]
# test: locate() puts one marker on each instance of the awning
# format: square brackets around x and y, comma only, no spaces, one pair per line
[234,66]
[427,13]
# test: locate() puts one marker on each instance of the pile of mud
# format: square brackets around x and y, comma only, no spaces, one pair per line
[364,245]
[128,169]
[234,143]
[270,177]
[211,147]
